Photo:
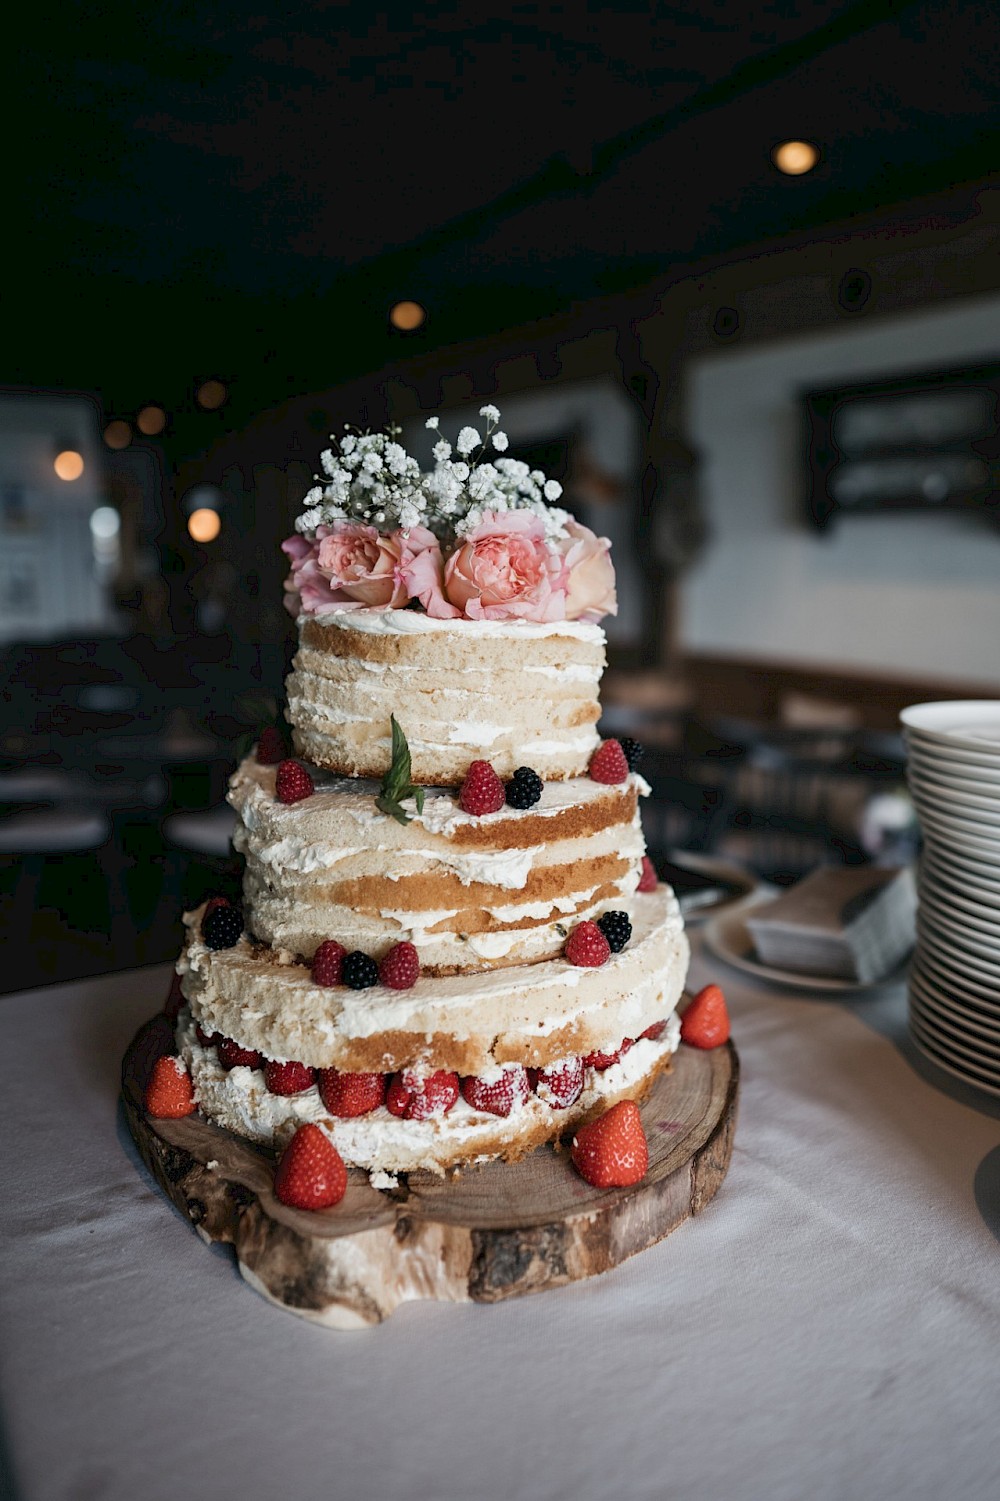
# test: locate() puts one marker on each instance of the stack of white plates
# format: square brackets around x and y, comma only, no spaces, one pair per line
[953,771]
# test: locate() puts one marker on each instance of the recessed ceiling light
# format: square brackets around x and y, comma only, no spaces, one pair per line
[151,420]
[68,464]
[407,315]
[210,395]
[204,525]
[118,434]
[795,158]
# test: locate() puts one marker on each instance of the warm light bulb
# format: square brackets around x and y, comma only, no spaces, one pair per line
[204,525]
[151,420]
[69,464]
[118,434]
[795,157]
[210,395]
[406,315]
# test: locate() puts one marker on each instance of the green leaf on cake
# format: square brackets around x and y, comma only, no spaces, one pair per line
[396,784]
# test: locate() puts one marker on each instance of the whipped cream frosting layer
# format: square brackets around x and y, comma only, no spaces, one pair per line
[240,1101]
[470,893]
[266,1000]
[513,692]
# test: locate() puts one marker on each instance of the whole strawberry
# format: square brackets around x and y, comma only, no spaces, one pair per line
[587,946]
[612,1151]
[348,1095]
[608,763]
[231,1055]
[327,962]
[400,968]
[311,1172]
[498,1096]
[705,1023]
[419,1097]
[169,1093]
[648,879]
[561,1084]
[482,791]
[287,1078]
[292,782]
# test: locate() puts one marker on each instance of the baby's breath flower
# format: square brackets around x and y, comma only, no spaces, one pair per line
[442,451]
[499,441]
[491,413]
[433,423]
[468,439]
[460,471]
[552,489]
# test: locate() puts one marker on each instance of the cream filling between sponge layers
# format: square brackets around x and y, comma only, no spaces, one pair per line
[240,1101]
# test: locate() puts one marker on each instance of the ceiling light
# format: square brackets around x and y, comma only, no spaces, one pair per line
[407,315]
[795,157]
[118,434]
[210,395]
[204,524]
[68,464]
[151,420]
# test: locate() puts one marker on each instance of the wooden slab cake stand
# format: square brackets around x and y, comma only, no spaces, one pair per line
[494,1232]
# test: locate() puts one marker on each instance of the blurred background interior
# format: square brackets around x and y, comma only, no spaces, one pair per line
[771,377]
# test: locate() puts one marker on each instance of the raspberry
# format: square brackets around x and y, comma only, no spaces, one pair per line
[287,1078]
[649,880]
[524,788]
[231,1055]
[482,791]
[292,783]
[561,1083]
[616,928]
[350,1094]
[705,1023]
[327,962]
[612,1151]
[587,946]
[632,751]
[499,1096]
[358,970]
[311,1172]
[271,746]
[417,1097]
[169,1093]
[600,1061]
[608,763]
[655,1032]
[400,968]
[222,928]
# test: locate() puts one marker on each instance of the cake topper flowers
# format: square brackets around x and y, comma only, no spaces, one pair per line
[478,537]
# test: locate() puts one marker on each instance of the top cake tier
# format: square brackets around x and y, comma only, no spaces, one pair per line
[514,692]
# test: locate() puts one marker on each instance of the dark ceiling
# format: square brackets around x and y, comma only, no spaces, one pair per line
[243,189]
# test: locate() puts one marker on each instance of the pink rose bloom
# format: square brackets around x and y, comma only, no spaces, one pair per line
[361,563]
[305,587]
[590,575]
[505,570]
[421,571]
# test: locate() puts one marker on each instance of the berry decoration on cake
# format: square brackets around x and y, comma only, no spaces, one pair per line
[358,971]
[587,946]
[524,788]
[222,927]
[612,1151]
[327,962]
[655,1032]
[175,998]
[561,1084]
[287,1078]
[632,751]
[416,1097]
[705,1023]
[649,880]
[396,784]
[349,1095]
[169,1094]
[311,1172]
[482,791]
[292,783]
[400,968]
[616,928]
[608,763]
[271,746]
[231,1055]
[498,1096]
[601,1060]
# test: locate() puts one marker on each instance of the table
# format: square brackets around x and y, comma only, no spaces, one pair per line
[827,1328]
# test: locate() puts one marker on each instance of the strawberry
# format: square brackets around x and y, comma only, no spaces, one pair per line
[561,1083]
[587,946]
[400,968]
[169,1093]
[207,1039]
[287,1078]
[608,763]
[350,1094]
[311,1172]
[482,791]
[231,1055]
[501,1095]
[327,962]
[705,1023]
[292,782]
[648,879]
[612,1152]
[270,746]
[600,1060]
[418,1097]
[655,1032]
[175,998]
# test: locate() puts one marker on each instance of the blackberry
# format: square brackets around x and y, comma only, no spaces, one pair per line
[358,971]
[632,751]
[524,788]
[222,927]
[617,930]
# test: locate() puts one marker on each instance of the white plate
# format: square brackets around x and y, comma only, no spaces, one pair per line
[980,1025]
[960,961]
[934,1057]
[970,723]
[953,835]
[968,881]
[943,907]
[975,809]
[958,979]
[976,793]
[982,823]
[962,1049]
[950,765]
[730,939]
[975,945]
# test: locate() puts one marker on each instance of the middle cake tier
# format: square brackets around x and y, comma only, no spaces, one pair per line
[470,893]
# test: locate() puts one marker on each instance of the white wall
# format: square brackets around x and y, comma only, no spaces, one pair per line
[910,593]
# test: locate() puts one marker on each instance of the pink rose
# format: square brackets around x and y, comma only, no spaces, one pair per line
[590,575]
[361,563]
[305,587]
[421,571]
[505,570]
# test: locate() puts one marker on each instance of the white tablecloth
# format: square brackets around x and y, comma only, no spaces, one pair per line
[827,1328]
